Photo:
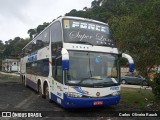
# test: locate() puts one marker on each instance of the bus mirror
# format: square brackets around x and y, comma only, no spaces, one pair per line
[65,59]
[130,61]
[65,64]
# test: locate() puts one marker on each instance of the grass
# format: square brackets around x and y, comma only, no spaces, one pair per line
[8,78]
[138,97]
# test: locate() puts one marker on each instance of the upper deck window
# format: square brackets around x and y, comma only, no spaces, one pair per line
[79,31]
[56,32]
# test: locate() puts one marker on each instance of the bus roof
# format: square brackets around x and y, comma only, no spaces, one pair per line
[66,17]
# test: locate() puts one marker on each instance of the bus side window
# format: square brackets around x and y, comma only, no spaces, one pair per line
[53,67]
[45,69]
[58,70]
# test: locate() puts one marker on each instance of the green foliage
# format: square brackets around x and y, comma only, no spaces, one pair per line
[142,99]
[138,34]
[8,78]
[34,32]
[1,50]
[12,48]
[156,86]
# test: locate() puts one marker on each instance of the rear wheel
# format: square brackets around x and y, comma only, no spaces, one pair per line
[46,92]
[39,88]
[123,82]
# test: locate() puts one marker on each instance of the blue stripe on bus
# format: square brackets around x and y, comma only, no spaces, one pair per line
[69,102]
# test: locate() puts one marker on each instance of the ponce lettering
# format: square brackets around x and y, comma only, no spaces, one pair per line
[89,26]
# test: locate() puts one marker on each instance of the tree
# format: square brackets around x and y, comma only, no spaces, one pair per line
[95,3]
[1,49]
[31,33]
[13,47]
[138,34]
[34,32]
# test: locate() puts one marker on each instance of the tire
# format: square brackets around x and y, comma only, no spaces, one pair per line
[123,82]
[144,83]
[46,92]
[39,88]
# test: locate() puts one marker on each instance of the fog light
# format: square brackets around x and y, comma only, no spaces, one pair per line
[115,93]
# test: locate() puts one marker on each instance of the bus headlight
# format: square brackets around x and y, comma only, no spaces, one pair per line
[115,93]
[73,94]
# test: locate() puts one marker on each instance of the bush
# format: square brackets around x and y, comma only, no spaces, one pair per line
[156,85]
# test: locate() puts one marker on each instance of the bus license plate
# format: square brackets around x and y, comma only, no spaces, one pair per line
[98,103]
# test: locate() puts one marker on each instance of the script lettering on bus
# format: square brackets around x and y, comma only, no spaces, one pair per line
[101,37]
[82,36]
[75,34]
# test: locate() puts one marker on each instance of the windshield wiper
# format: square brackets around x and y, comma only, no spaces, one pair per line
[92,78]
[85,42]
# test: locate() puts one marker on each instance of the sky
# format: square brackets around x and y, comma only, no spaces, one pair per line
[18,16]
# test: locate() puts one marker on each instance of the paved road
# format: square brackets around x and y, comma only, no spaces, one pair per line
[16,97]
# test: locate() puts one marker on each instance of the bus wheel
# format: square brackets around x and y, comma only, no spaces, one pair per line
[46,92]
[39,88]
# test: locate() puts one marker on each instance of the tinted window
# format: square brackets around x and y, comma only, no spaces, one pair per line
[40,41]
[56,32]
[46,36]
[56,47]
[40,67]
[58,71]
[29,68]
[87,32]
[28,49]
[43,67]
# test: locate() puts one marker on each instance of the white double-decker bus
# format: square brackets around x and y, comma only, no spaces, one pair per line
[75,63]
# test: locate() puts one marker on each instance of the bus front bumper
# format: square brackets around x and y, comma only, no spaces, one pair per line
[70,102]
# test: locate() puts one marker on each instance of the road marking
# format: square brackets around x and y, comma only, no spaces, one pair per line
[26,102]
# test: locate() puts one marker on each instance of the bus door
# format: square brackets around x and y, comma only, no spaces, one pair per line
[58,85]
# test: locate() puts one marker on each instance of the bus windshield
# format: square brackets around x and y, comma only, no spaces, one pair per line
[85,32]
[92,69]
